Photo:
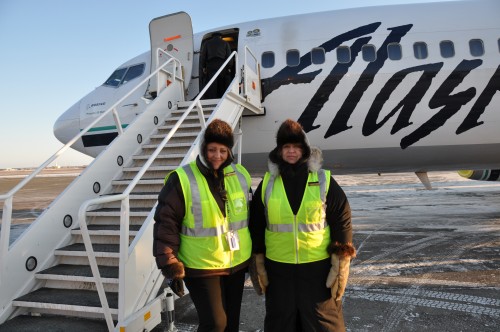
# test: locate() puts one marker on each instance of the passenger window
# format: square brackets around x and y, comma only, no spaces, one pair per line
[133,72]
[318,55]
[343,54]
[116,77]
[369,54]
[394,51]
[447,49]
[292,58]
[476,47]
[267,59]
[420,50]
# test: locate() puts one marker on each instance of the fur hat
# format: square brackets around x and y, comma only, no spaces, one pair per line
[220,132]
[217,131]
[290,131]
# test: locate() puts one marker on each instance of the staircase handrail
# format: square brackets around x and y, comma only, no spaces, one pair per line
[9,196]
[124,197]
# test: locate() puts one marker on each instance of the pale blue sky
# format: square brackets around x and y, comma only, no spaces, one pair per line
[53,52]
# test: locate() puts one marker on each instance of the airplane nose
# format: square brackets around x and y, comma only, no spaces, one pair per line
[67,126]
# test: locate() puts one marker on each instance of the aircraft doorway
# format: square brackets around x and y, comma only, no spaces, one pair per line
[231,37]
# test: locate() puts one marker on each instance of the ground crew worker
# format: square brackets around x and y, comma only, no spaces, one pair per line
[213,54]
[201,231]
[302,238]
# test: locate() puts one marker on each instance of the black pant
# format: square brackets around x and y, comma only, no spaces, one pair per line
[297,299]
[217,89]
[217,301]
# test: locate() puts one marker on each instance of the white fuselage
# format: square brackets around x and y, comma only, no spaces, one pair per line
[413,113]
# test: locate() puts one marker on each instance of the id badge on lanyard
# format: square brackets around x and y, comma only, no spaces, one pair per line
[233,240]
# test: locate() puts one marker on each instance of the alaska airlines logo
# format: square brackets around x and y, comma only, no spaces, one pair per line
[443,98]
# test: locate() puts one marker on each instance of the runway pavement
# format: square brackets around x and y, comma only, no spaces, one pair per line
[427,259]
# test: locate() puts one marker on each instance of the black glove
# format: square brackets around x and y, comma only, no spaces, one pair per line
[177,286]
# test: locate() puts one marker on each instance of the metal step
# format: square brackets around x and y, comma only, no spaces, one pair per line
[168,145]
[106,230]
[166,168]
[204,102]
[70,302]
[50,323]
[108,273]
[126,182]
[189,117]
[67,276]
[173,159]
[160,156]
[180,111]
[190,126]
[100,250]
[192,135]
[140,200]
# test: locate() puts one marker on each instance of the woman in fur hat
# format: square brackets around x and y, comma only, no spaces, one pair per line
[201,232]
[302,238]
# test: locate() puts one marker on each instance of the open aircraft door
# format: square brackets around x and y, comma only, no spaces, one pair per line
[173,34]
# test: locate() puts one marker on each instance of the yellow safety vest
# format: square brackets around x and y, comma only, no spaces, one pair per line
[301,238]
[204,229]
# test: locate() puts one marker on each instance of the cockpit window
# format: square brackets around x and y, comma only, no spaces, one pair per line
[123,75]
[133,72]
[116,77]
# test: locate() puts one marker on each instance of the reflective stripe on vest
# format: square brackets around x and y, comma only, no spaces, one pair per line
[198,229]
[297,238]
[204,227]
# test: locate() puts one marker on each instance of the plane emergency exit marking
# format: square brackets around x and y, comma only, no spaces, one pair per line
[443,98]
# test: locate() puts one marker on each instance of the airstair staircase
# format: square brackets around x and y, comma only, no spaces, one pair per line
[86,263]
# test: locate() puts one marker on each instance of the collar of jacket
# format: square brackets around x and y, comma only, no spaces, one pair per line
[314,162]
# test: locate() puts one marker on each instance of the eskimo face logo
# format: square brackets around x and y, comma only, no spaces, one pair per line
[443,97]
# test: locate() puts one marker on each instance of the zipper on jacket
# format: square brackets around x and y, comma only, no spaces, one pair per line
[296,238]
[228,229]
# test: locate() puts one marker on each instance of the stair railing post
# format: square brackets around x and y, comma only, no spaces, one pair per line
[82,216]
[124,246]
[117,121]
[5,233]
[239,135]
[201,115]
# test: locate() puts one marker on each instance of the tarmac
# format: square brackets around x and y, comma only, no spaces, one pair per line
[427,259]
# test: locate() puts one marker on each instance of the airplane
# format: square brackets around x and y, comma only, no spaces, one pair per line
[377,89]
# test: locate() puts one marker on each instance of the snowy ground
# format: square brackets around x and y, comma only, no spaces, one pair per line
[427,260]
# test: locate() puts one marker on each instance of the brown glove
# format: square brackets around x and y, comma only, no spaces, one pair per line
[258,273]
[177,286]
[338,275]
[174,273]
